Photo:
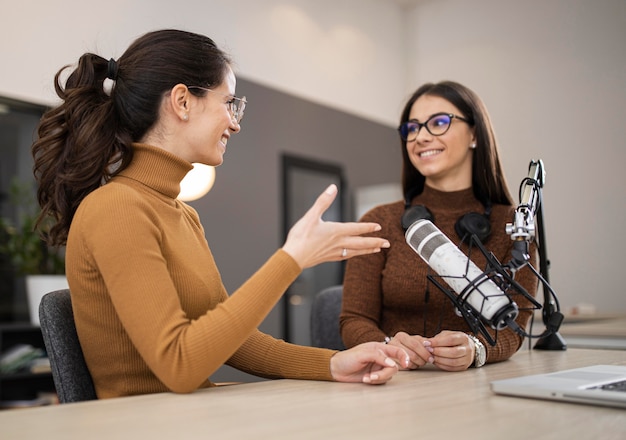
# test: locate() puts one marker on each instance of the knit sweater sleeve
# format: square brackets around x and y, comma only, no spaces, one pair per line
[264,356]
[362,304]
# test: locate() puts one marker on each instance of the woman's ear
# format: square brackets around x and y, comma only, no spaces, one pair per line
[179,101]
[473,140]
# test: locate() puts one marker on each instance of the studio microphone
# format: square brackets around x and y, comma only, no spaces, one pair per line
[474,287]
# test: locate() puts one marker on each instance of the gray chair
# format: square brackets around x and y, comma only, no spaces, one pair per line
[71,377]
[325,319]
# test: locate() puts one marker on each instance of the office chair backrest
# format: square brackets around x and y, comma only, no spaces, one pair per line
[72,379]
[325,319]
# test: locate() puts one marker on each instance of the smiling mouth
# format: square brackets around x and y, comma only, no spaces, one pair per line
[224,140]
[428,153]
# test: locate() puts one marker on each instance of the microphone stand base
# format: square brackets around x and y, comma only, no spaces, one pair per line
[553,341]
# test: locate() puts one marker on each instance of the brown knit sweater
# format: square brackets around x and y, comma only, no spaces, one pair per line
[388,292]
[151,311]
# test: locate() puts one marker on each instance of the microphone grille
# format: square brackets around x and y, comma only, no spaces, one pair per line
[425,238]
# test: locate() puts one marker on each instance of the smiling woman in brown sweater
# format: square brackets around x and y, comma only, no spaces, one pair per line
[451,168]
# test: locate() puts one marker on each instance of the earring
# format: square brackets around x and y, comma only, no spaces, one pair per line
[185,117]
[473,145]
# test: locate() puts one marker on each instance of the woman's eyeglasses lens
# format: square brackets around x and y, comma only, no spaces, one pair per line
[236,106]
[436,125]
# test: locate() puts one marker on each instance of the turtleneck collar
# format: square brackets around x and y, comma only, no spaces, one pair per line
[436,199]
[156,168]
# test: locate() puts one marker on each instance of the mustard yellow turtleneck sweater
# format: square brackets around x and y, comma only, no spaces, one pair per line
[151,311]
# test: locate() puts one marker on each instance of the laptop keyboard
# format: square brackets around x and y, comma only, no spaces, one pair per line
[613,386]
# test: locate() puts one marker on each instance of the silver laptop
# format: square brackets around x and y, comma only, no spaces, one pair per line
[595,385]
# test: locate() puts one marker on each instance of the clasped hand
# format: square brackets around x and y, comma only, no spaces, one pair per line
[448,350]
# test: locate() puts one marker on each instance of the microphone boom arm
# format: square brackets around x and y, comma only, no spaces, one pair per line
[522,232]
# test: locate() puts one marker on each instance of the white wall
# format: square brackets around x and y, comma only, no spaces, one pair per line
[552,73]
[348,53]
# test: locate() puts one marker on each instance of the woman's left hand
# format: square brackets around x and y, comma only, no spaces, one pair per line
[371,362]
[451,350]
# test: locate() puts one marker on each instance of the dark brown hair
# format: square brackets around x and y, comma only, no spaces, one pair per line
[488,181]
[87,139]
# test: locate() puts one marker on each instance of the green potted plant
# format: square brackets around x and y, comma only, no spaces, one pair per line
[26,253]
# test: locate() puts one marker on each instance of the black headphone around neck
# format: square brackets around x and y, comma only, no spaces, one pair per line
[468,224]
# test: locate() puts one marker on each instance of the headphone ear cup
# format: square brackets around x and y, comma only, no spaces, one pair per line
[413,214]
[473,223]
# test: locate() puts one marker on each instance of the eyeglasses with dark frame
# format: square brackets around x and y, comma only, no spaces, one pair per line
[236,105]
[437,125]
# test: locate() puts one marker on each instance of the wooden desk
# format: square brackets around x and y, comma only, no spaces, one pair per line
[416,404]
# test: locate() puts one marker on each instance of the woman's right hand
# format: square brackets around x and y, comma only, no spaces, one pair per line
[312,241]
[372,362]
[418,348]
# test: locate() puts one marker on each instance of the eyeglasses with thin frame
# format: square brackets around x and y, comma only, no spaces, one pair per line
[236,105]
[437,125]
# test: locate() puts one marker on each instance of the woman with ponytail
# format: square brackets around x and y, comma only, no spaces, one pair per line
[151,312]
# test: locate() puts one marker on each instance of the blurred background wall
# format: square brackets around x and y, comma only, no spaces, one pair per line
[551,72]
